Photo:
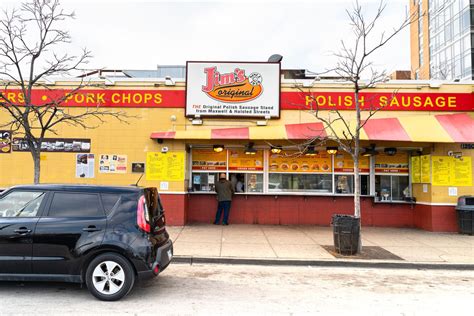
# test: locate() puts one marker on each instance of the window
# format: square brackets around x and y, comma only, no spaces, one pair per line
[21,204]
[344,184]
[247,182]
[281,182]
[204,181]
[109,201]
[75,205]
[391,187]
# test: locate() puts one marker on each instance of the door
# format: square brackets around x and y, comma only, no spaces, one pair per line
[74,223]
[19,211]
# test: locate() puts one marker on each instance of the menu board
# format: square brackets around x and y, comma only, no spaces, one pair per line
[238,160]
[165,166]
[343,163]
[208,159]
[415,169]
[450,171]
[397,163]
[441,170]
[296,162]
[112,163]
[425,166]
[461,173]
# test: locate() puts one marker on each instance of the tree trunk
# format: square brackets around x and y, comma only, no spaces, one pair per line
[357,212]
[37,166]
[356,187]
[35,150]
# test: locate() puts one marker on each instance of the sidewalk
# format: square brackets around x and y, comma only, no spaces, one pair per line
[269,244]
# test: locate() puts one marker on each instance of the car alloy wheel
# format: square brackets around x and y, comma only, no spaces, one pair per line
[108,277]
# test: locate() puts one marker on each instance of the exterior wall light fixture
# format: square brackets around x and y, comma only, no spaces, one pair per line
[370,151]
[331,150]
[249,150]
[311,151]
[218,148]
[390,151]
[276,149]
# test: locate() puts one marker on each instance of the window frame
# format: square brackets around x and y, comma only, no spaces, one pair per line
[266,175]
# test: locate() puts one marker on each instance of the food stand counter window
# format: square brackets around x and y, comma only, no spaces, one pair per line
[246,171]
[344,174]
[293,172]
[206,166]
[391,177]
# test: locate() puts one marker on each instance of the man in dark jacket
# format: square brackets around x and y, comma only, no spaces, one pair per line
[224,190]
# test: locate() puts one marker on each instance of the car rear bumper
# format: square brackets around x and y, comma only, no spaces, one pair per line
[164,254]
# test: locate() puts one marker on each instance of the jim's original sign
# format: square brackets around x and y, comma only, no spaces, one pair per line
[233,89]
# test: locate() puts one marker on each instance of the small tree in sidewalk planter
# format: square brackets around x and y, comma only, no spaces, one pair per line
[33,47]
[354,65]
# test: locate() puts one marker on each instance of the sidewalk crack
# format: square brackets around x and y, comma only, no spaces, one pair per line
[269,243]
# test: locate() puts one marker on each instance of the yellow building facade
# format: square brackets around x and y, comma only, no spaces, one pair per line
[163,144]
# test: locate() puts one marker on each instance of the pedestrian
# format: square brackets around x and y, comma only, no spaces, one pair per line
[224,190]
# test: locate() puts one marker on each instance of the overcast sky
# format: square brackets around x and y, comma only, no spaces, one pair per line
[142,34]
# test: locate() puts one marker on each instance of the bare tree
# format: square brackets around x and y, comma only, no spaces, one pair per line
[354,63]
[33,46]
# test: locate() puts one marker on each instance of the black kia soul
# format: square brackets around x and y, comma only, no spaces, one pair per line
[106,237]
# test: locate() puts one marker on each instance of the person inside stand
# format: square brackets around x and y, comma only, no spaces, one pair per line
[239,186]
[224,190]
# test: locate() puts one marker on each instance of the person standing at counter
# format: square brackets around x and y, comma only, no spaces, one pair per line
[224,190]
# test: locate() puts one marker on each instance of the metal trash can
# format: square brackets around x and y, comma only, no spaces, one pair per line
[465,214]
[346,230]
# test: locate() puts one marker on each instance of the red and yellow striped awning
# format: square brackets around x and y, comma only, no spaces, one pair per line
[444,128]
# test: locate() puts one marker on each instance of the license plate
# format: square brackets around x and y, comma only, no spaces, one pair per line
[170,254]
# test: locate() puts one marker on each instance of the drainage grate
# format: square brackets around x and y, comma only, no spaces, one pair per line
[368,253]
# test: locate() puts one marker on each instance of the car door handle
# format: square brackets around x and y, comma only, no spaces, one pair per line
[22,230]
[91,228]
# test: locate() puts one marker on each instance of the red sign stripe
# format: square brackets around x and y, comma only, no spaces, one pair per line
[230,133]
[385,129]
[164,135]
[459,126]
[305,130]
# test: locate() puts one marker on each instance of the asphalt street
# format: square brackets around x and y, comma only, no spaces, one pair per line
[185,289]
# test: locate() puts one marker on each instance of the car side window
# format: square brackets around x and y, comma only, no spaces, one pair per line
[75,205]
[109,201]
[21,204]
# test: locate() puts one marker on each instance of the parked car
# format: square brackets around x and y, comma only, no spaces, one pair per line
[106,237]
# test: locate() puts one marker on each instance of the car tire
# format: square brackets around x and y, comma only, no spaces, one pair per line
[109,277]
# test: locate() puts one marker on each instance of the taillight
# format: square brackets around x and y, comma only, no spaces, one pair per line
[142,215]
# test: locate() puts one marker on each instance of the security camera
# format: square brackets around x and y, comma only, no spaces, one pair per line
[456,155]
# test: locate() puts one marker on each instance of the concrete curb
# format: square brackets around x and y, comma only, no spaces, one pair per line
[325,263]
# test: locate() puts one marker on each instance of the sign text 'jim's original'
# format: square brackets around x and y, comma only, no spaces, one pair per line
[233,89]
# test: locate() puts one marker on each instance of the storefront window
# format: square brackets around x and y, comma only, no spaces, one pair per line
[292,171]
[247,182]
[391,187]
[391,177]
[282,182]
[206,166]
[204,181]
[345,184]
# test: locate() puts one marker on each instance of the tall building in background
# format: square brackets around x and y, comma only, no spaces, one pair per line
[442,40]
